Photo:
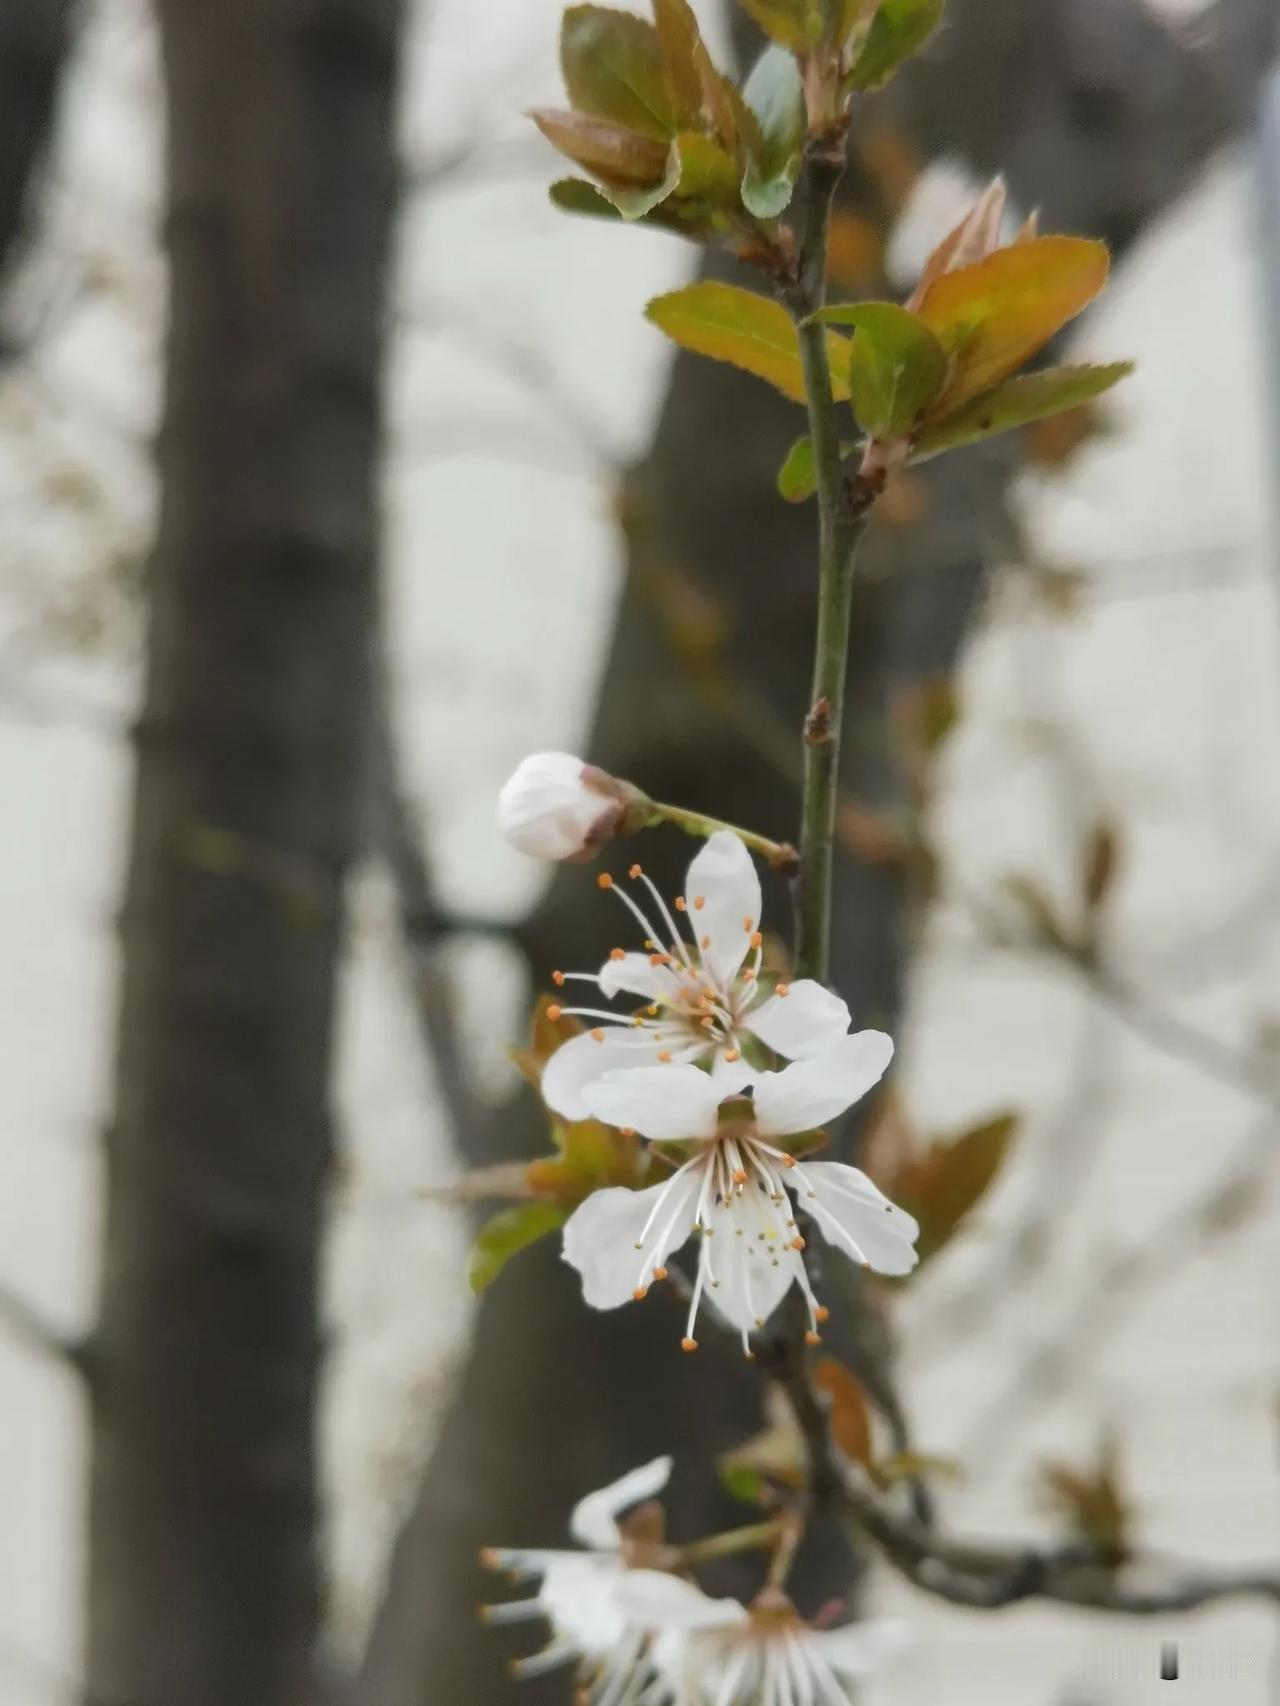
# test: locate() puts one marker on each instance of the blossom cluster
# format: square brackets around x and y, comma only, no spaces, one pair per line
[640,1634]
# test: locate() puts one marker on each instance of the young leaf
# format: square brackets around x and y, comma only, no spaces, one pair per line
[791,23]
[747,330]
[679,40]
[618,155]
[940,1187]
[507,1234]
[798,476]
[1017,403]
[775,95]
[896,366]
[576,195]
[993,317]
[899,29]
[849,1416]
[613,70]
[707,173]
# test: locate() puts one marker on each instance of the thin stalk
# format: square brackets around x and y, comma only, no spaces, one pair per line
[780,854]
[842,511]
[759,1537]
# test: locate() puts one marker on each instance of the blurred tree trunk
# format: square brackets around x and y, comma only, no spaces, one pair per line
[34,37]
[203,1566]
[1099,116]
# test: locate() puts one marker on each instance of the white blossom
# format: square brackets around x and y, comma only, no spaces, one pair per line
[701,996]
[577,1594]
[736,1188]
[766,1656]
[554,806]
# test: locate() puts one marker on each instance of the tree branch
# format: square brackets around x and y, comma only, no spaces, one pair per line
[989,1576]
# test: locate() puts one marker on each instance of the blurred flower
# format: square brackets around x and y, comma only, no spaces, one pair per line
[703,997]
[765,1656]
[556,807]
[733,1189]
[578,1596]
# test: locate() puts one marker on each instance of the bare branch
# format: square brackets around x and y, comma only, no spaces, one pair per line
[989,1576]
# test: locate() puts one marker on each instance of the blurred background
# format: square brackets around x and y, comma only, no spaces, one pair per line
[271,638]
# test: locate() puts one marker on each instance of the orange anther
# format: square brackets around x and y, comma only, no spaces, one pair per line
[739,1176]
[634,872]
[708,1024]
[688,1344]
[797,1243]
[699,901]
[554,1012]
[788,1160]
[557,977]
[680,903]
[822,1313]
[617,954]
[659,1273]
[748,977]
[604,880]
[664,1055]
[757,940]
[598,1034]
[783,989]
[732,1054]
[812,1338]
[640,1293]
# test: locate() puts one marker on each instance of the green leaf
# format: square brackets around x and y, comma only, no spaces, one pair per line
[798,475]
[507,1234]
[707,173]
[679,40]
[896,366]
[749,331]
[899,29]
[1017,403]
[775,94]
[613,70]
[992,317]
[792,23]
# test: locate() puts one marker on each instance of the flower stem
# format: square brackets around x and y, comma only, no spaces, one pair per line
[758,1537]
[843,509]
[780,854]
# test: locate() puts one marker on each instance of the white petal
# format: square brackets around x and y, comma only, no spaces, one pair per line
[634,974]
[580,1596]
[852,1212]
[750,1257]
[582,1059]
[654,1600]
[601,1235]
[731,1076]
[593,1520]
[809,1092]
[805,1021]
[722,893]
[860,1648]
[549,808]
[662,1102]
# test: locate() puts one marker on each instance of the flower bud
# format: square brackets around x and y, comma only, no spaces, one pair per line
[556,807]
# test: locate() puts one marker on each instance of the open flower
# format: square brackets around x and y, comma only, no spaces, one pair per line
[556,807]
[701,996]
[736,1188]
[765,1656]
[578,1595]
